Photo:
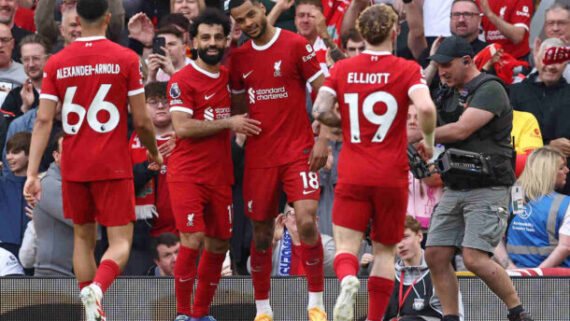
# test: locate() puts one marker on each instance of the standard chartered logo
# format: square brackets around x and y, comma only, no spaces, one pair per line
[209,114]
[266,94]
[251,94]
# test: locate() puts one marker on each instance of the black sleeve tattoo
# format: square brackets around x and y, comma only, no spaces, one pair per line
[334,50]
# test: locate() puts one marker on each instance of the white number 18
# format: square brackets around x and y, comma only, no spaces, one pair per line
[310,180]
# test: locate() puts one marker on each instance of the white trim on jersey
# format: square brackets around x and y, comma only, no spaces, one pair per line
[328,89]
[267,45]
[237,92]
[319,44]
[50,97]
[135,92]
[182,109]
[416,86]
[315,76]
[205,72]
[520,24]
[90,38]
[377,53]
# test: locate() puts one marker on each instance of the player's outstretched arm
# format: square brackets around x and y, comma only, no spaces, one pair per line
[320,152]
[426,117]
[470,121]
[144,127]
[40,137]
[323,109]
[187,127]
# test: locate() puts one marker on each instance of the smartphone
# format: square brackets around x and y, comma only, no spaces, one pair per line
[157,43]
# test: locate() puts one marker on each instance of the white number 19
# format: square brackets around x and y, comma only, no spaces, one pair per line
[384,121]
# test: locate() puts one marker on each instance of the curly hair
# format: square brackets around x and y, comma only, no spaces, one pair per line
[376,22]
[413,224]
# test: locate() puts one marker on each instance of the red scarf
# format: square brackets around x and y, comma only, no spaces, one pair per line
[504,67]
[145,199]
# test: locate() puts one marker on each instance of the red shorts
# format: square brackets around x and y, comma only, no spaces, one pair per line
[110,203]
[202,208]
[262,186]
[355,205]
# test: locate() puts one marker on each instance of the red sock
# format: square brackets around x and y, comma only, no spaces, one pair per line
[107,271]
[261,272]
[345,264]
[209,273]
[312,258]
[379,293]
[184,274]
[296,267]
[84,284]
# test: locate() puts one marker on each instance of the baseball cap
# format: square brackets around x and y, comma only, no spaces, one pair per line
[451,48]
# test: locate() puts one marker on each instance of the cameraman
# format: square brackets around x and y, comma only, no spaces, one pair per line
[474,115]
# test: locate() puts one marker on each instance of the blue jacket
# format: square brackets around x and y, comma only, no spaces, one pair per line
[533,235]
[13,219]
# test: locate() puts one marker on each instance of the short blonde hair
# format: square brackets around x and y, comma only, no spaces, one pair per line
[539,175]
[376,22]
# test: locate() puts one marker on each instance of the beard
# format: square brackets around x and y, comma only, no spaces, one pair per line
[211,59]
[262,28]
[464,34]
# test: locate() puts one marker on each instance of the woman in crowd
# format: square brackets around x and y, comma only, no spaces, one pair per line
[539,232]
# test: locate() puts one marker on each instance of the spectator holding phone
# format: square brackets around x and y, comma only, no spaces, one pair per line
[168,54]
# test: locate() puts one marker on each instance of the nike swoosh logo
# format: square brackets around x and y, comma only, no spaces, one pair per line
[313,263]
[308,192]
[185,280]
[208,97]
[246,75]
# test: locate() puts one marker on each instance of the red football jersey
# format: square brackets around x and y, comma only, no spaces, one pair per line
[274,78]
[205,96]
[333,10]
[93,77]
[373,94]
[516,12]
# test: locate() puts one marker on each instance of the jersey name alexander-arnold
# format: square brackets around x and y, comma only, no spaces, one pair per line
[367,78]
[88,70]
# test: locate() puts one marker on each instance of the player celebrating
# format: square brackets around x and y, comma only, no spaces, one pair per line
[200,189]
[269,75]
[373,90]
[94,77]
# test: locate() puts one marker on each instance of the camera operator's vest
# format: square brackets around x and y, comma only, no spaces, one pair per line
[498,129]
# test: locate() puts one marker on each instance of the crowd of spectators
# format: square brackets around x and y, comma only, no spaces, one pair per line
[31,31]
